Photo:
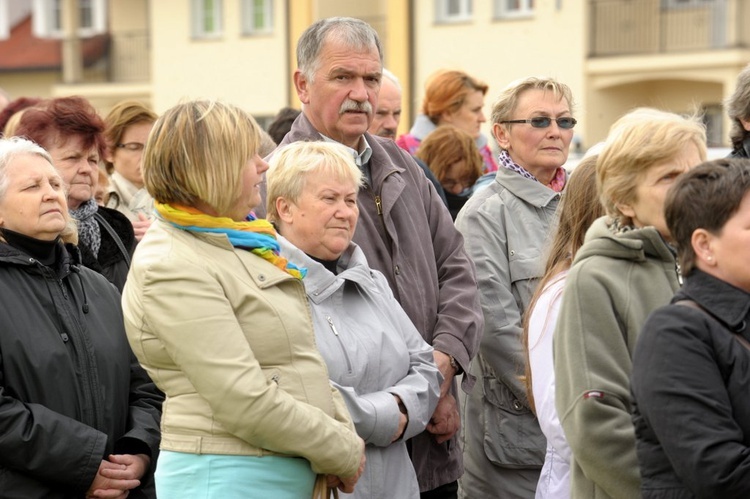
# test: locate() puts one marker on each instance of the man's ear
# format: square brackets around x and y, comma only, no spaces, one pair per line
[301,84]
[501,135]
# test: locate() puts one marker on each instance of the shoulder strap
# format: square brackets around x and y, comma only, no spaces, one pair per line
[99,218]
[695,305]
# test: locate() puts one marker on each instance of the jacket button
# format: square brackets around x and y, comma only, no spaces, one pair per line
[517,405]
[261,277]
[512,252]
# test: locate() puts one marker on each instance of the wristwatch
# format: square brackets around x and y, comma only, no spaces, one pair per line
[454,364]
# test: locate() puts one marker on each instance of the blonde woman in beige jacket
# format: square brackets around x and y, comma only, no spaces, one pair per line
[221,324]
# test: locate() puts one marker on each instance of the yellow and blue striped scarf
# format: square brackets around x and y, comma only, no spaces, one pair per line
[256,235]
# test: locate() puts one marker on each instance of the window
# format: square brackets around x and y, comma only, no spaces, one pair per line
[713,119]
[514,8]
[207,19]
[450,11]
[679,4]
[48,18]
[257,16]
[4,20]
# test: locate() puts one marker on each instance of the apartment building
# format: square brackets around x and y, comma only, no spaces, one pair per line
[680,55]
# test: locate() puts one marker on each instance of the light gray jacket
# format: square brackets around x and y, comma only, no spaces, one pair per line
[505,228]
[373,352]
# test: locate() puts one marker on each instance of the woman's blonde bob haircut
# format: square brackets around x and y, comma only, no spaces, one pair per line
[639,140]
[14,147]
[290,167]
[197,151]
[507,101]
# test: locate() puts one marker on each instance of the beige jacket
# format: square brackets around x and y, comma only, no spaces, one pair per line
[229,339]
[129,199]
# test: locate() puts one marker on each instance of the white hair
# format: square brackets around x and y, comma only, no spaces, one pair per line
[13,147]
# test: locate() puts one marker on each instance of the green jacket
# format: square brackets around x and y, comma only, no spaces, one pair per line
[615,282]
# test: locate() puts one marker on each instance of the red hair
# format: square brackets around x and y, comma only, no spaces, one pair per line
[447,90]
[14,106]
[57,120]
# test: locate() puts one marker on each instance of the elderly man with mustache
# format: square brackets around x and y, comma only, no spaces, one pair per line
[404,228]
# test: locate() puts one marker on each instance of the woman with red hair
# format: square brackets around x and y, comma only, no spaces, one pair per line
[71,131]
[451,98]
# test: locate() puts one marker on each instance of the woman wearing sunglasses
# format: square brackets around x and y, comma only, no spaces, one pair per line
[505,226]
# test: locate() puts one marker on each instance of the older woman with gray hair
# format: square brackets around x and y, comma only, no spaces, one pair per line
[78,415]
[375,356]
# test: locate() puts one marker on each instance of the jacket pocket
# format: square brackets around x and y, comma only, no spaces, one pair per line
[512,437]
[524,273]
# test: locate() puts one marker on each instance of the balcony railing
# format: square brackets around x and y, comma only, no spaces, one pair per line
[634,27]
[129,57]
[123,57]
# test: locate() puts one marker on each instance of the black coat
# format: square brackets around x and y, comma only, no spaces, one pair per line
[110,261]
[71,391]
[691,387]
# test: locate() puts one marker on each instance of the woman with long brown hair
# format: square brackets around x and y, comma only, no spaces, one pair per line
[579,208]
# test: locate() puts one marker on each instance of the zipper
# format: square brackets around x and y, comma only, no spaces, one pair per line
[379,205]
[341,344]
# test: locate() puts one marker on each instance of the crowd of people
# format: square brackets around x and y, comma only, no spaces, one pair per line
[195,307]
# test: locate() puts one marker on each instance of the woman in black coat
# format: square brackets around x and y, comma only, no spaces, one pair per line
[78,416]
[691,367]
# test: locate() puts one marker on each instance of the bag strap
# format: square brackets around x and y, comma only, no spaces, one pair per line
[322,490]
[697,306]
[99,218]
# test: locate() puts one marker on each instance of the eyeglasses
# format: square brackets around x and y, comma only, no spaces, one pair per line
[544,122]
[131,146]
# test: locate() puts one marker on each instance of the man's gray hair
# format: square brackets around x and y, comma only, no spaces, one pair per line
[393,78]
[354,33]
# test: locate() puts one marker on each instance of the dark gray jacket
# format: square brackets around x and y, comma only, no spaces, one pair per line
[690,388]
[71,391]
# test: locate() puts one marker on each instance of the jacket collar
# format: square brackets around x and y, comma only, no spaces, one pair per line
[70,257]
[721,299]
[320,283]
[530,191]
[635,245]
[380,164]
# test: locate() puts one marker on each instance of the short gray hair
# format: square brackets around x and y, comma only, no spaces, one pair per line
[11,148]
[738,107]
[355,33]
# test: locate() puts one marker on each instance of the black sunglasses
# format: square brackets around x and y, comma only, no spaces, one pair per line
[544,122]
